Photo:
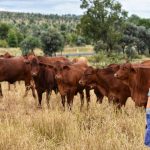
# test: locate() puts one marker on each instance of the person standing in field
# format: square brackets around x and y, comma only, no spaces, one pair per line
[147,133]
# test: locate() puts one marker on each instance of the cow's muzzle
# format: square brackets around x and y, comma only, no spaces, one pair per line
[116,75]
[34,74]
[58,76]
[81,82]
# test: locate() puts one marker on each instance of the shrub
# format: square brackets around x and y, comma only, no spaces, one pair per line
[99,46]
[52,41]
[3,43]
[29,44]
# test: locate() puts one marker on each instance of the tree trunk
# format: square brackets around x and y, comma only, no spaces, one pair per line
[123,49]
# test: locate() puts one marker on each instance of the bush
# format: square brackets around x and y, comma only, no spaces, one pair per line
[131,52]
[80,41]
[52,41]
[3,43]
[99,46]
[102,59]
[12,38]
[29,44]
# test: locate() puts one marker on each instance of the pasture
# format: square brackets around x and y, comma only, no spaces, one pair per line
[25,127]
[67,50]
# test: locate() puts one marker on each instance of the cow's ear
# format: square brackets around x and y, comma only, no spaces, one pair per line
[50,66]
[96,70]
[66,67]
[133,70]
[42,64]
[26,61]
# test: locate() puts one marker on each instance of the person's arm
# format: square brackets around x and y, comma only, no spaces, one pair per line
[147,133]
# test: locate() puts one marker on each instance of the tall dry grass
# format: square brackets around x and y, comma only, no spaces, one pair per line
[24,127]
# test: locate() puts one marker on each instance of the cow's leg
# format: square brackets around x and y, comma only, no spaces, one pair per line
[33,91]
[70,96]
[99,96]
[8,86]
[87,91]
[82,100]
[14,85]
[48,94]
[26,91]
[68,101]
[1,94]
[63,101]
[39,98]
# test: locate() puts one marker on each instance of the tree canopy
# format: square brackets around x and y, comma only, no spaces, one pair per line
[52,41]
[103,20]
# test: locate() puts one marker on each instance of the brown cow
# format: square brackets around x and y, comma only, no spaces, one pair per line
[46,59]
[6,55]
[44,78]
[14,69]
[80,59]
[67,77]
[106,83]
[138,79]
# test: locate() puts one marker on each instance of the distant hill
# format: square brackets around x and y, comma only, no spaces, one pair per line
[17,17]
[23,25]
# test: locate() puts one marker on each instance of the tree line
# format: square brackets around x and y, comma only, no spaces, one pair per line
[29,31]
[104,24]
[110,28]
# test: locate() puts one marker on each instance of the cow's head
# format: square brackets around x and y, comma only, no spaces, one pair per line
[59,70]
[34,63]
[114,67]
[125,71]
[88,77]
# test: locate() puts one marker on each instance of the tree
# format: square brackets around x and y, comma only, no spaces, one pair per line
[12,38]
[103,20]
[52,41]
[148,39]
[139,21]
[100,46]
[80,41]
[20,37]
[4,28]
[135,36]
[29,44]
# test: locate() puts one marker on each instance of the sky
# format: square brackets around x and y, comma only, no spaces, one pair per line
[138,7]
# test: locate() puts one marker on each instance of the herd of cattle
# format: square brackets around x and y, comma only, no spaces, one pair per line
[59,74]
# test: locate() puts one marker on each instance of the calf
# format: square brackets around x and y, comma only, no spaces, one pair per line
[104,80]
[68,76]
[138,79]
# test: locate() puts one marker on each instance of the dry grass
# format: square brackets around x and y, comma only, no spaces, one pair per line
[24,127]
[67,50]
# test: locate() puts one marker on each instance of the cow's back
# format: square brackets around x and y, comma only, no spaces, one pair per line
[13,69]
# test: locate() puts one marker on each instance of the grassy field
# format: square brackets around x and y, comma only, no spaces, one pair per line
[25,127]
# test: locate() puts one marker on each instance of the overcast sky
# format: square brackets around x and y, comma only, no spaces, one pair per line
[139,7]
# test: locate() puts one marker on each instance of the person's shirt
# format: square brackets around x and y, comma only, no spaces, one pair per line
[147,132]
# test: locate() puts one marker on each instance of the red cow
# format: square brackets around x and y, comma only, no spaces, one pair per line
[14,69]
[67,77]
[104,80]
[138,79]
[46,59]
[6,55]
[44,78]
